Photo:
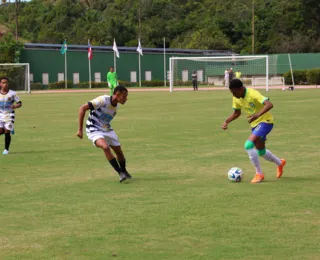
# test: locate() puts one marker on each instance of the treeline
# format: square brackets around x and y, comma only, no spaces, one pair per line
[280,26]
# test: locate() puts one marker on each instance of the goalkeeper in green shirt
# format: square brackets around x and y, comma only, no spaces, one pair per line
[112,80]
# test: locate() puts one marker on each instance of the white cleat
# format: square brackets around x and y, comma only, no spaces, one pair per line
[5,152]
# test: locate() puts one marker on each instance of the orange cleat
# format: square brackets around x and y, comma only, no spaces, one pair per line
[258,178]
[280,168]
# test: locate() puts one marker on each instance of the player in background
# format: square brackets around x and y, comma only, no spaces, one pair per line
[194,80]
[226,78]
[112,80]
[9,101]
[99,131]
[257,107]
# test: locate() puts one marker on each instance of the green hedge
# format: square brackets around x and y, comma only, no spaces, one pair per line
[303,77]
[313,76]
[60,85]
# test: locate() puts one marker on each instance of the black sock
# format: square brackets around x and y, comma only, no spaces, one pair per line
[123,166]
[115,165]
[7,141]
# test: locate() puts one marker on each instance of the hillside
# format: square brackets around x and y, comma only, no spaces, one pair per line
[279,26]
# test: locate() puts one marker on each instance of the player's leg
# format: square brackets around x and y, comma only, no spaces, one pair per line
[196,85]
[122,160]
[102,143]
[254,158]
[7,141]
[113,140]
[263,131]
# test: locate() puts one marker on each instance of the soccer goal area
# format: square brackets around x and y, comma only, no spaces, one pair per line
[254,71]
[19,75]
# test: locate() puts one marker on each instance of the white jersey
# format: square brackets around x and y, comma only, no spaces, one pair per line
[226,74]
[101,114]
[6,101]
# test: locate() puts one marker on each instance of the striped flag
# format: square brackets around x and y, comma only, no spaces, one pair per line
[89,51]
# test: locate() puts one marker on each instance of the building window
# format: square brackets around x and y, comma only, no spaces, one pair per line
[148,76]
[76,78]
[97,77]
[184,75]
[60,77]
[133,76]
[45,78]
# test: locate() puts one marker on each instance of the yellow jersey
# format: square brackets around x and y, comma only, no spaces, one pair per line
[252,103]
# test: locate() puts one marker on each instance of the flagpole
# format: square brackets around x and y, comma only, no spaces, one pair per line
[65,70]
[139,70]
[164,62]
[89,60]
[89,73]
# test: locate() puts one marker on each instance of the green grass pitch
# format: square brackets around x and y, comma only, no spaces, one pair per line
[60,199]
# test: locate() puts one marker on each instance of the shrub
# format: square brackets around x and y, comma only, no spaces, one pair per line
[60,85]
[313,76]
[36,86]
[299,76]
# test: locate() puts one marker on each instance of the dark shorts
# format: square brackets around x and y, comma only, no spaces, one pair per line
[262,130]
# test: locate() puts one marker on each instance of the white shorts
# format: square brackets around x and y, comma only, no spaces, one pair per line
[7,125]
[110,137]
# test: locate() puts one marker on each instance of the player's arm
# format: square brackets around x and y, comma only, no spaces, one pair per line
[236,113]
[17,105]
[109,79]
[82,111]
[267,106]
[17,101]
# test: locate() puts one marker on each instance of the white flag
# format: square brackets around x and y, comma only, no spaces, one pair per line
[115,48]
[139,49]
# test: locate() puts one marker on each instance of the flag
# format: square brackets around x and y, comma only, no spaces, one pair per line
[64,48]
[89,51]
[139,49]
[115,48]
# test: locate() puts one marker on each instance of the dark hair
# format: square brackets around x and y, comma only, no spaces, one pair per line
[235,83]
[120,89]
[1,78]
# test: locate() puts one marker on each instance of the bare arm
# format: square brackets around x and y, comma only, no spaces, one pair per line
[81,114]
[267,106]
[234,116]
[17,105]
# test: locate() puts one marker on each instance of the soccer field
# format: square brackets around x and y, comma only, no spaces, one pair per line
[60,198]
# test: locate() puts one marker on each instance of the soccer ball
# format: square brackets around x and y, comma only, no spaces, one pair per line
[235,174]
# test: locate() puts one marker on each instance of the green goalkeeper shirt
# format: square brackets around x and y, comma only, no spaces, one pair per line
[112,78]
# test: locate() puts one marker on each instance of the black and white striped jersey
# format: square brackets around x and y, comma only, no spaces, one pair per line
[101,114]
[6,101]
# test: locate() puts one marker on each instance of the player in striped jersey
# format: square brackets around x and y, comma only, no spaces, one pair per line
[9,101]
[99,131]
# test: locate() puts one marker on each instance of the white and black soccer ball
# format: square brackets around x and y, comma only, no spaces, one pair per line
[235,174]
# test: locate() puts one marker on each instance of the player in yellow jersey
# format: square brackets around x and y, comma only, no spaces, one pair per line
[261,121]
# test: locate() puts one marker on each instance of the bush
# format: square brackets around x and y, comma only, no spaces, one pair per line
[152,83]
[36,86]
[313,76]
[299,76]
[60,85]
[126,83]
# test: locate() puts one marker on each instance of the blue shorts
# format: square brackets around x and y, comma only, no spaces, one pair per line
[262,130]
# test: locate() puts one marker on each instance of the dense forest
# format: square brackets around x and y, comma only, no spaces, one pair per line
[280,26]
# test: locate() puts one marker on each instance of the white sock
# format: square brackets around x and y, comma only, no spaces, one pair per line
[254,158]
[269,156]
